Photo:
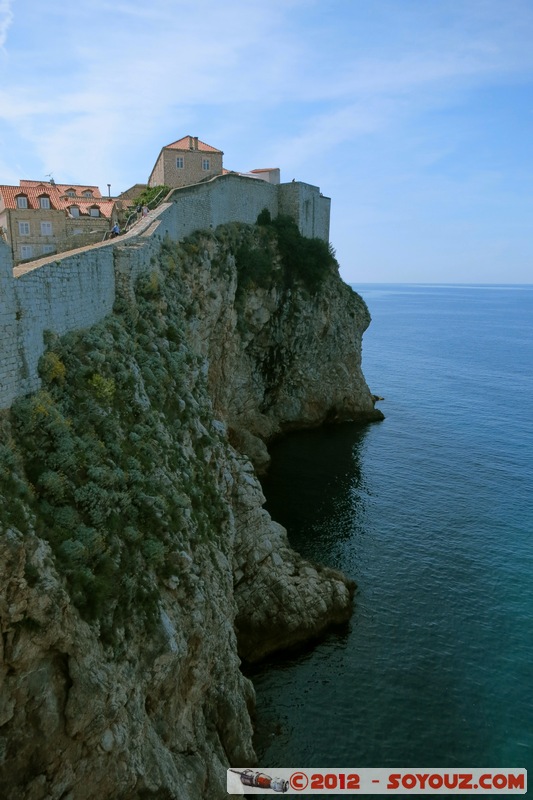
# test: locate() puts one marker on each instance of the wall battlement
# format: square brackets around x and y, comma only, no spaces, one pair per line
[77,289]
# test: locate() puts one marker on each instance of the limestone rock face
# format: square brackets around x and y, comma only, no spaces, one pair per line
[281,599]
[190,383]
[82,720]
[278,356]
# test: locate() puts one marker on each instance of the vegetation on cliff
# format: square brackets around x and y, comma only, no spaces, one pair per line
[303,261]
[122,502]
[112,460]
[116,449]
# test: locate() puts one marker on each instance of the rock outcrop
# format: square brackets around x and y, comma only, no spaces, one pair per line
[137,565]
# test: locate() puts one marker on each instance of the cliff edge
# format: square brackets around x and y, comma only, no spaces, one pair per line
[137,565]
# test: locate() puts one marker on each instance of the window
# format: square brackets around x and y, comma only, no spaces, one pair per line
[179,162]
[48,248]
[26,251]
[44,202]
[74,211]
[22,201]
[70,193]
[94,211]
[24,228]
[87,193]
[46,228]
[205,163]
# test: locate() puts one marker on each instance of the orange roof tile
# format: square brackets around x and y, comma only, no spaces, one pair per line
[10,194]
[105,206]
[59,201]
[63,187]
[187,143]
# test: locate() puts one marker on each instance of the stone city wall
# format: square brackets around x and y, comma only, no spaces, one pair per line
[75,290]
[68,293]
[308,206]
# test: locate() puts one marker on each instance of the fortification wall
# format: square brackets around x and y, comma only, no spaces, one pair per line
[10,359]
[305,203]
[70,293]
[77,289]
[236,198]
[227,198]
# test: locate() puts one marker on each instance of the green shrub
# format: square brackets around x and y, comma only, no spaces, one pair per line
[103,388]
[305,260]
[51,368]
[264,217]
[150,194]
[254,267]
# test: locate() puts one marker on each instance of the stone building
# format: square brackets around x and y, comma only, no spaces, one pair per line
[38,218]
[185,162]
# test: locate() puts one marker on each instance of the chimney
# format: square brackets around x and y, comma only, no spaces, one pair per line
[195,143]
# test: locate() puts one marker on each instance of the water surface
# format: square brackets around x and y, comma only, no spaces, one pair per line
[431,513]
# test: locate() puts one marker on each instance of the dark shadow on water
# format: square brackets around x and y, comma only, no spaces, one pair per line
[312,490]
[311,481]
[272,722]
[336,637]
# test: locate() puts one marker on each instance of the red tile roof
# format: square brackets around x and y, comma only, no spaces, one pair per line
[63,187]
[59,200]
[188,143]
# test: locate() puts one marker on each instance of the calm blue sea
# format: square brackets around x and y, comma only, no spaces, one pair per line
[431,513]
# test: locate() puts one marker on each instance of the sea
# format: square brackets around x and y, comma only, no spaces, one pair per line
[430,512]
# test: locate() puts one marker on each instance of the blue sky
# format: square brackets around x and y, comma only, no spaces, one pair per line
[414,116]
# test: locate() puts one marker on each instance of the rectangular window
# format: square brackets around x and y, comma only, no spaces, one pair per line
[46,228]
[22,202]
[48,248]
[24,228]
[94,212]
[205,163]
[26,251]
[179,162]
[44,202]
[74,211]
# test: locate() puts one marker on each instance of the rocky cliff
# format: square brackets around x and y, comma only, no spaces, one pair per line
[137,565]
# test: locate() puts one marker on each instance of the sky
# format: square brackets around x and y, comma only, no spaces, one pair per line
[414,116]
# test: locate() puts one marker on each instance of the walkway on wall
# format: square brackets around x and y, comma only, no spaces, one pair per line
[144,226]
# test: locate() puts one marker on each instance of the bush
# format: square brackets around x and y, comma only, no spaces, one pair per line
[150,194]
[51,368]
[264,217]
[254,267]
[103,388]
[304,259]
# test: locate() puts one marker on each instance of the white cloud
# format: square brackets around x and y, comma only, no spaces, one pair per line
[6,17]
[116,85]
[149,71]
